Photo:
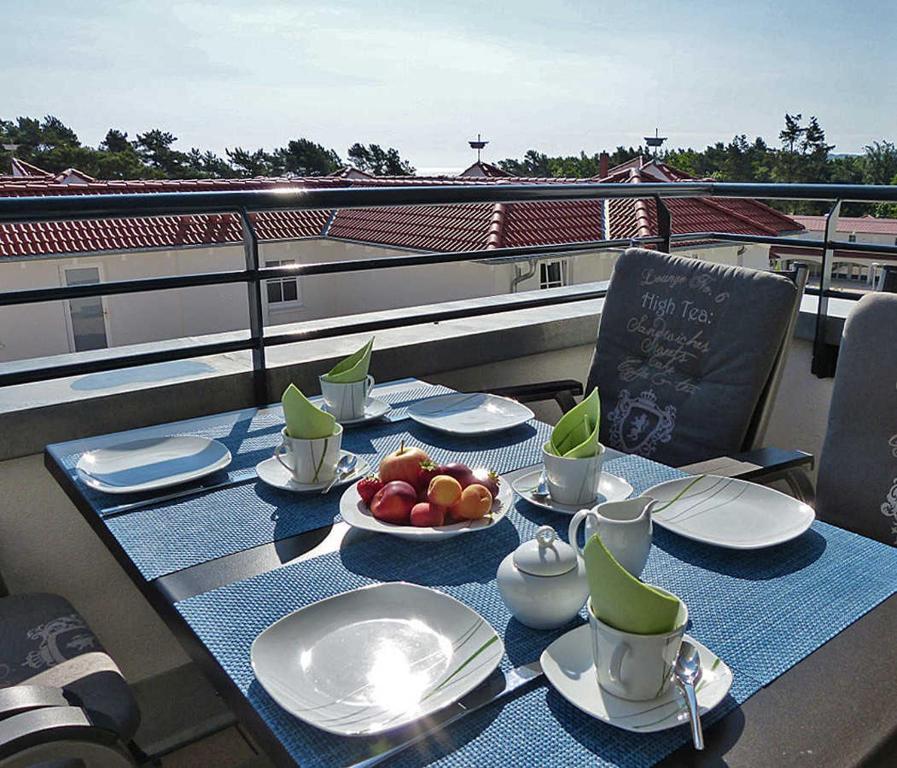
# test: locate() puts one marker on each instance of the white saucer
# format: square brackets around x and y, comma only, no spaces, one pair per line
[568,665]
[273,473]
[373,410]
[610,488]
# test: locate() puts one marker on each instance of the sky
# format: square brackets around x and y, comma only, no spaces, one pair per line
[425,76]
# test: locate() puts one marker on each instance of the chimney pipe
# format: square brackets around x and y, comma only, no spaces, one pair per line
[603,165]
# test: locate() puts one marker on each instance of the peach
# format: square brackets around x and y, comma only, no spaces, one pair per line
[425,515]
[443,490]
[393,502]
[475,502]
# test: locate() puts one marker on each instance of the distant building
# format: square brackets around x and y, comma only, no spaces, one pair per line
[860,268]
[76,252]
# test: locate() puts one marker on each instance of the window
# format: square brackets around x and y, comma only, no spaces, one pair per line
[283,290]
[851,238]
[552,274]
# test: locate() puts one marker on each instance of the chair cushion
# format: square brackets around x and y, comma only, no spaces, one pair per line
[685,349]
[857,486]
[39,632]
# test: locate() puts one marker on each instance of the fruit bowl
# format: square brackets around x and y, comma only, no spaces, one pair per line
[357,514]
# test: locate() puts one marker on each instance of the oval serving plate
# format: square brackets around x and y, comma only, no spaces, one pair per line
[728,513]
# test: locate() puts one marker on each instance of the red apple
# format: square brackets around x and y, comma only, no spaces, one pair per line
[403,464]
[393,502]
[425,515]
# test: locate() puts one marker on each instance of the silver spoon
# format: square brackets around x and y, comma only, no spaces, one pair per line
[344,468]
[541,489]
[688,674]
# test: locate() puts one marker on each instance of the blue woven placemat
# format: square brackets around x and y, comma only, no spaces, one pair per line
[250,437]
[169,537]
[761,611]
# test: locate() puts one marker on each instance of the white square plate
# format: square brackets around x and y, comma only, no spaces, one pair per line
[367,661]
[152,463]
[470,414]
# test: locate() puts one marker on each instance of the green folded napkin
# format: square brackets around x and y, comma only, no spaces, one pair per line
[621,600]
[305,420]
[353,368]
[575,436]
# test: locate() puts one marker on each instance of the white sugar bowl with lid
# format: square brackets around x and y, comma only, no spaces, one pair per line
[543,582]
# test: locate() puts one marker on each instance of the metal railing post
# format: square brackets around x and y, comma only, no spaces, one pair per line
[256,312]
[825,355]
[664,225]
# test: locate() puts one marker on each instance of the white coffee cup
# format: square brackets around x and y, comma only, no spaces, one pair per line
[635,667]
[625,528]
[310,461]
[573,481]
[346,401]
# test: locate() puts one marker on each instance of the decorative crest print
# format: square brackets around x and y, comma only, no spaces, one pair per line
[64,632]
[639,424]
[889,508]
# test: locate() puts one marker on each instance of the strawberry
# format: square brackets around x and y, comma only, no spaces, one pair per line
[425,473]
[367,488]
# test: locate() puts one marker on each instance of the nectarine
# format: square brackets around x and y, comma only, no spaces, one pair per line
[444,490]
[475,502]
[393,502]
[425,515]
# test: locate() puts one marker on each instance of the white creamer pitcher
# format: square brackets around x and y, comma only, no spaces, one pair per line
[624,526]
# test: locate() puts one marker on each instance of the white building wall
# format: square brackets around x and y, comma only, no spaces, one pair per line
[40,330]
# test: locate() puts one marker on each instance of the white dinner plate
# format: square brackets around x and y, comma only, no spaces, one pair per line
[729,513]
[376,658]
[470,414]
[569,667]
[357,514]
[373,410]
[152,463]
[610,488]
[273,473]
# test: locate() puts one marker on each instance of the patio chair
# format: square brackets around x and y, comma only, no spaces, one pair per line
[688,361]
[63,701]
[857,484]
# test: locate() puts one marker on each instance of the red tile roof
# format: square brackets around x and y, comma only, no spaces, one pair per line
[422,228]
[480,170]
[867,225]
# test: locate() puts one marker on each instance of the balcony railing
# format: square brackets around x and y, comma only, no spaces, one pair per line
[57,208]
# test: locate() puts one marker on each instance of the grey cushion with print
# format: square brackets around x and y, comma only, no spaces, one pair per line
[857,487]
[684,350]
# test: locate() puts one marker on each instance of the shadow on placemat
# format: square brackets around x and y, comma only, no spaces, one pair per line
[752,564]
[462,559]
[330,750]
[504,439]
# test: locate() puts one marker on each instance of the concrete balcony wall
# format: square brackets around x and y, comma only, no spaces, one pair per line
[45,545]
